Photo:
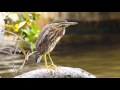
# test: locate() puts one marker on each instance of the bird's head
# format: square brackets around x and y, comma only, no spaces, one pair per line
[62,23]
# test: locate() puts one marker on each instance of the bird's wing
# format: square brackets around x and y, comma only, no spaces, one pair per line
[42,41]
[42,35]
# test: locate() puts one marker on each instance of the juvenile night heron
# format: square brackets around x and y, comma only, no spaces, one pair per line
[49,37]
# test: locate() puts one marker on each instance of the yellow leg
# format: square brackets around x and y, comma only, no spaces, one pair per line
[50,59]
[52,64]
[45,60]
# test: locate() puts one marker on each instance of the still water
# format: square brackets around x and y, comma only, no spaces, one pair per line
[102,61]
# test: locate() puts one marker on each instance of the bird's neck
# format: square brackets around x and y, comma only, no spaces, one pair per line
[61,30]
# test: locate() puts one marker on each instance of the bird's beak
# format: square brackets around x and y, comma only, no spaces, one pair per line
[70,23]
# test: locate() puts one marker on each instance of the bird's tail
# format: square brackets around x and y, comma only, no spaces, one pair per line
[37,58]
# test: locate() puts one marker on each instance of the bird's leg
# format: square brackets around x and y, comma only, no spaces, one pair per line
[45,60]
[50,59]
[52,64]
[52,69]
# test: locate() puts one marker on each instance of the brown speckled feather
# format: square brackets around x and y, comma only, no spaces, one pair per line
[49,36]
[42,42]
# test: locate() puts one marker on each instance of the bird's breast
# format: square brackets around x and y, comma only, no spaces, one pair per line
[57,39]
[52,46]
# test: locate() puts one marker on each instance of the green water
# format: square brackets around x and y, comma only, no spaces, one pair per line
[102,61]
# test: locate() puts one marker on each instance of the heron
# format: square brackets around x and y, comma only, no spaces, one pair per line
[48,37]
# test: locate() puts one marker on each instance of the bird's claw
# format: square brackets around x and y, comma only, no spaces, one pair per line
[52,68]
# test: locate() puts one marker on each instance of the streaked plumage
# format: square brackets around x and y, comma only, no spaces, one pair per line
[49,36]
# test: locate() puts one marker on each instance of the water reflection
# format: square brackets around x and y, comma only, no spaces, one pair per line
[102,61]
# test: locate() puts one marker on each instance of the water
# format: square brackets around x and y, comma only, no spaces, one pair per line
[102,61]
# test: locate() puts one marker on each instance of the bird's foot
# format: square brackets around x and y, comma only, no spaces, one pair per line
[53,66]
[49,68]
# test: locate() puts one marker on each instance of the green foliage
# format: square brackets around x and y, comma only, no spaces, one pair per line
[24,25]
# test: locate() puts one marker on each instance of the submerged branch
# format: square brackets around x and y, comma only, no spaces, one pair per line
[59,72]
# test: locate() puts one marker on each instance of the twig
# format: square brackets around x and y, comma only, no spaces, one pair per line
[13,59]
[16,49]
[26,60]
[13,62]
[28,55]
[16,35]
[21,67]
[7,47]
[5,52]
[10,53]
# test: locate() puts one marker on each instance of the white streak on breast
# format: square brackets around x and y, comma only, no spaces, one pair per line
[56,41]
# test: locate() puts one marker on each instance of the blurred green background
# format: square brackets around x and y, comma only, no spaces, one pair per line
[92,45]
